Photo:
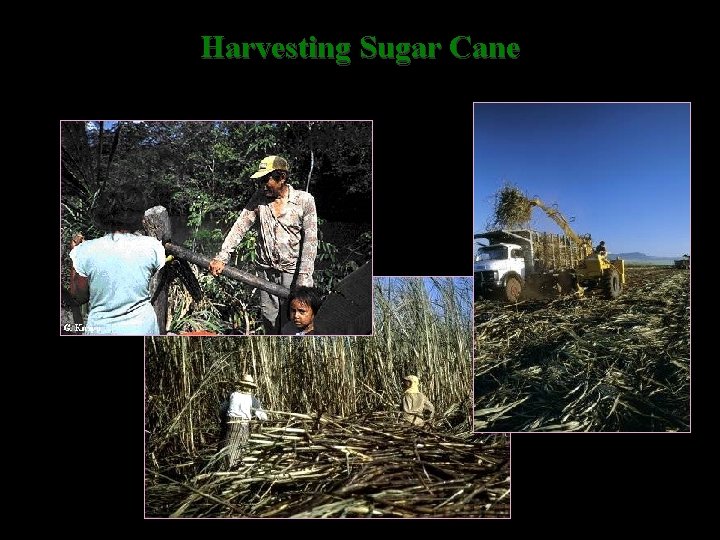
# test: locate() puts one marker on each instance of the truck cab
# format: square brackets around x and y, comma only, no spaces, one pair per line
[495,264]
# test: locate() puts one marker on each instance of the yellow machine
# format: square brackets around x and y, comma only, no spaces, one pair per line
[595,270]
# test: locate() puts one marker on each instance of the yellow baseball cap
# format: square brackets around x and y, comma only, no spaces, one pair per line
[270,164]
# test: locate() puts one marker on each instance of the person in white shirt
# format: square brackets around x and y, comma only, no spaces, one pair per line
[242,406]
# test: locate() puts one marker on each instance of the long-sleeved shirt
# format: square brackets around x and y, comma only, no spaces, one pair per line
[287,242]
[414,404]
[243,406]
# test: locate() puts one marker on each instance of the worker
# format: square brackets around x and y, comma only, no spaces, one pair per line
[415,403]
[286,221]
[239,410]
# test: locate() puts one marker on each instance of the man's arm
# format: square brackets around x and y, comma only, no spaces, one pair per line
[242,225]
[310,243]
[257,408]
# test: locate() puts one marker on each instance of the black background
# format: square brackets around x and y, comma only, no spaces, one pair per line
[423,211]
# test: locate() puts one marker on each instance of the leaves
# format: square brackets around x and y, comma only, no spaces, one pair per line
[201,171]
[512,208]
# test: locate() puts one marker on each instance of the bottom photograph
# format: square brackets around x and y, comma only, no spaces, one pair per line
[326,427]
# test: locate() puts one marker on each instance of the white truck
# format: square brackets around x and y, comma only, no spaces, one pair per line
[499,267]
[527,260]
[513,261]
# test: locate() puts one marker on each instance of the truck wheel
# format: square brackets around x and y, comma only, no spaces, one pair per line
[513,288]
[611,284]
[567,283]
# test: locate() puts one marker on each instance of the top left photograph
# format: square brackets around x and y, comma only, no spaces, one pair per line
[216,227]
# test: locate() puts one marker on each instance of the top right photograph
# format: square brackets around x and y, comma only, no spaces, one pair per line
[581,262]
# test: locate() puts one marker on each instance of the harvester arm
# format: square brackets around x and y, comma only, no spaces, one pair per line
[558,218]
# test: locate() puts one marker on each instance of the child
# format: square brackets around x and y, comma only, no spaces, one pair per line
[303,304]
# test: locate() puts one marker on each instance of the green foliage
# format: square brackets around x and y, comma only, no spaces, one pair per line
[332,263]
[326,252]
[245,250]
[198,209]
[202,170]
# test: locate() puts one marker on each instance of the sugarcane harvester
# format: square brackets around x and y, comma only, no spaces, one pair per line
[519,260]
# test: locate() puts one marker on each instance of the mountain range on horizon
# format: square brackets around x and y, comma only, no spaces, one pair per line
[637,256]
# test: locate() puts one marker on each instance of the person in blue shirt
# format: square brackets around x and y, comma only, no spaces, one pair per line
[113,272]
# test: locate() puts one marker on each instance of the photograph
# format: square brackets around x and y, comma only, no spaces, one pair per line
[225,227]
[326,426]
[276,223]
[581,264]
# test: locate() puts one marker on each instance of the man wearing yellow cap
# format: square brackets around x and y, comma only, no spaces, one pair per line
[287,235]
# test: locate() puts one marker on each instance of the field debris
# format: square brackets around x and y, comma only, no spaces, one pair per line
[372,466]
[587,364]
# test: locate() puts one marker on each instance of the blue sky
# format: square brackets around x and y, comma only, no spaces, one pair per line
[621,170]
[108,124]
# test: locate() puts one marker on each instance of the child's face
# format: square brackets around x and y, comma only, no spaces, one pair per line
[301,314]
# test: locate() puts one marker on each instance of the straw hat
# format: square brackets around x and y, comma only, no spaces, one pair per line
[247,380]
